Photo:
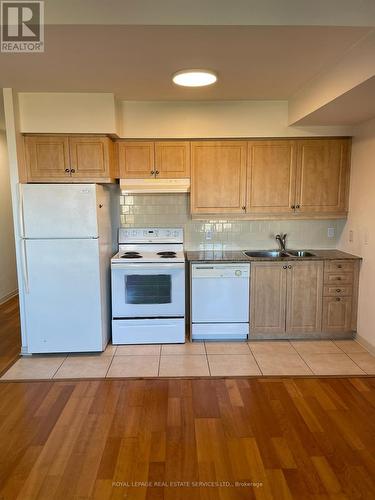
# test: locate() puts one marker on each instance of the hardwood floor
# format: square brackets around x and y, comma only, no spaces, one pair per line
[292,438]
[10,334]
[206,439]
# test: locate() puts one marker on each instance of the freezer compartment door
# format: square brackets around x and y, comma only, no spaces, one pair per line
[59,210]
[148,331]
[220,331]
[63,299]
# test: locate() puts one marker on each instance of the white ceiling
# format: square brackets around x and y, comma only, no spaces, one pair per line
[136,62]
[355,106]
[212,12]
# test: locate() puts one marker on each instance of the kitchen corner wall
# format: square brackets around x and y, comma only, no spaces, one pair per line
[358,236]
[167,210]
[8,276]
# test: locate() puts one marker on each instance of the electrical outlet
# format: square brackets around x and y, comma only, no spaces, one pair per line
[351,236]
[331,232]
[208,235]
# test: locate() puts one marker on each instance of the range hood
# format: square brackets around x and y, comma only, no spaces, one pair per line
[130,186]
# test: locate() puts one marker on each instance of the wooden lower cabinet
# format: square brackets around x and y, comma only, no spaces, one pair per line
[337,314]
[286,298]
[304,297]
[340,296]
[267,298]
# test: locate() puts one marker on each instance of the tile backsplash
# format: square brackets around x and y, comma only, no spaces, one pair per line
[163,210]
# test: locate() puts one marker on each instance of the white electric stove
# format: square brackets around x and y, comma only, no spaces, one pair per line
[148,287]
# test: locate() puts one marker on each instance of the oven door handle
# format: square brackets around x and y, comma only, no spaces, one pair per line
[151,267]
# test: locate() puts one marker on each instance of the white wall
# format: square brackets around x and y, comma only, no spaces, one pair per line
[67,112]
[8,277]
[64,112]
[192,119]
[361,222]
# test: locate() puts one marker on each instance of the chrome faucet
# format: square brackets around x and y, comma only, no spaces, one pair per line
[281,240]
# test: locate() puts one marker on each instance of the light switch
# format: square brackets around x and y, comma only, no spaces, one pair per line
[331,232]
[351,236]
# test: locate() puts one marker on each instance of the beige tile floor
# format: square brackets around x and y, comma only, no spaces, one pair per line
[255,358]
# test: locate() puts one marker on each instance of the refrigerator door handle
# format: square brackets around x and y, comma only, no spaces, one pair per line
[20,211]
[25,272]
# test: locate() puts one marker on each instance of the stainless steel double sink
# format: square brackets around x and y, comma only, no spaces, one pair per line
[276,254]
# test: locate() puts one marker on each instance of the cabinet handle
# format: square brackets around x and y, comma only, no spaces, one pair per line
[289,267]
[157,172]
[243,208]
[293,207]
[338,278]
[67,170]
[338,299]
[297,206]
[284,267]
[152,172]
[72,170]
[339,266]
[338,290]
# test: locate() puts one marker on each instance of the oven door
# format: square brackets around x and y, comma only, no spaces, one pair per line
[148,290]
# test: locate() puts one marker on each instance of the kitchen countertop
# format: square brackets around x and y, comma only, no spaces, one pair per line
[239,256]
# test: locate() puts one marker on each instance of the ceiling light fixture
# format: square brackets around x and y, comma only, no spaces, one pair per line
[194,77]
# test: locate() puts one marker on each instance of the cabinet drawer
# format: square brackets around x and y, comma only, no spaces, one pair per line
[337,314]
[338,278]
[338,266]
[337,291]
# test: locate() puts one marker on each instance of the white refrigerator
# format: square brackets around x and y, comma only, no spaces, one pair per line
[67,246]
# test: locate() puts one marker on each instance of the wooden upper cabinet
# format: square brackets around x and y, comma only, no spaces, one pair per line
[267,298]
[323,175]
[58,158]
[161,159]
[172,159]
[304,292]
[90,157]
[136,159]
[47,157]
[218,176]
[271,176]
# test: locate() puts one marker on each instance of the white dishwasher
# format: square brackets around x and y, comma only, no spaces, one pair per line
[220,301]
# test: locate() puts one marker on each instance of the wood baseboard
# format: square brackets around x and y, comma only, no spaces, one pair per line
[8,296]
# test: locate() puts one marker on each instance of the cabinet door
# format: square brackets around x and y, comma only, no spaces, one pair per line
[90,157]
[218,177]
[304,296]
[136,159]
[337,314]
[322,175]
[47,157]
[271,177]
[172,159]
[267,298]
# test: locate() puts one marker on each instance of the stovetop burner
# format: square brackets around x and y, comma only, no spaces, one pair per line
[167,254]
[131,255]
